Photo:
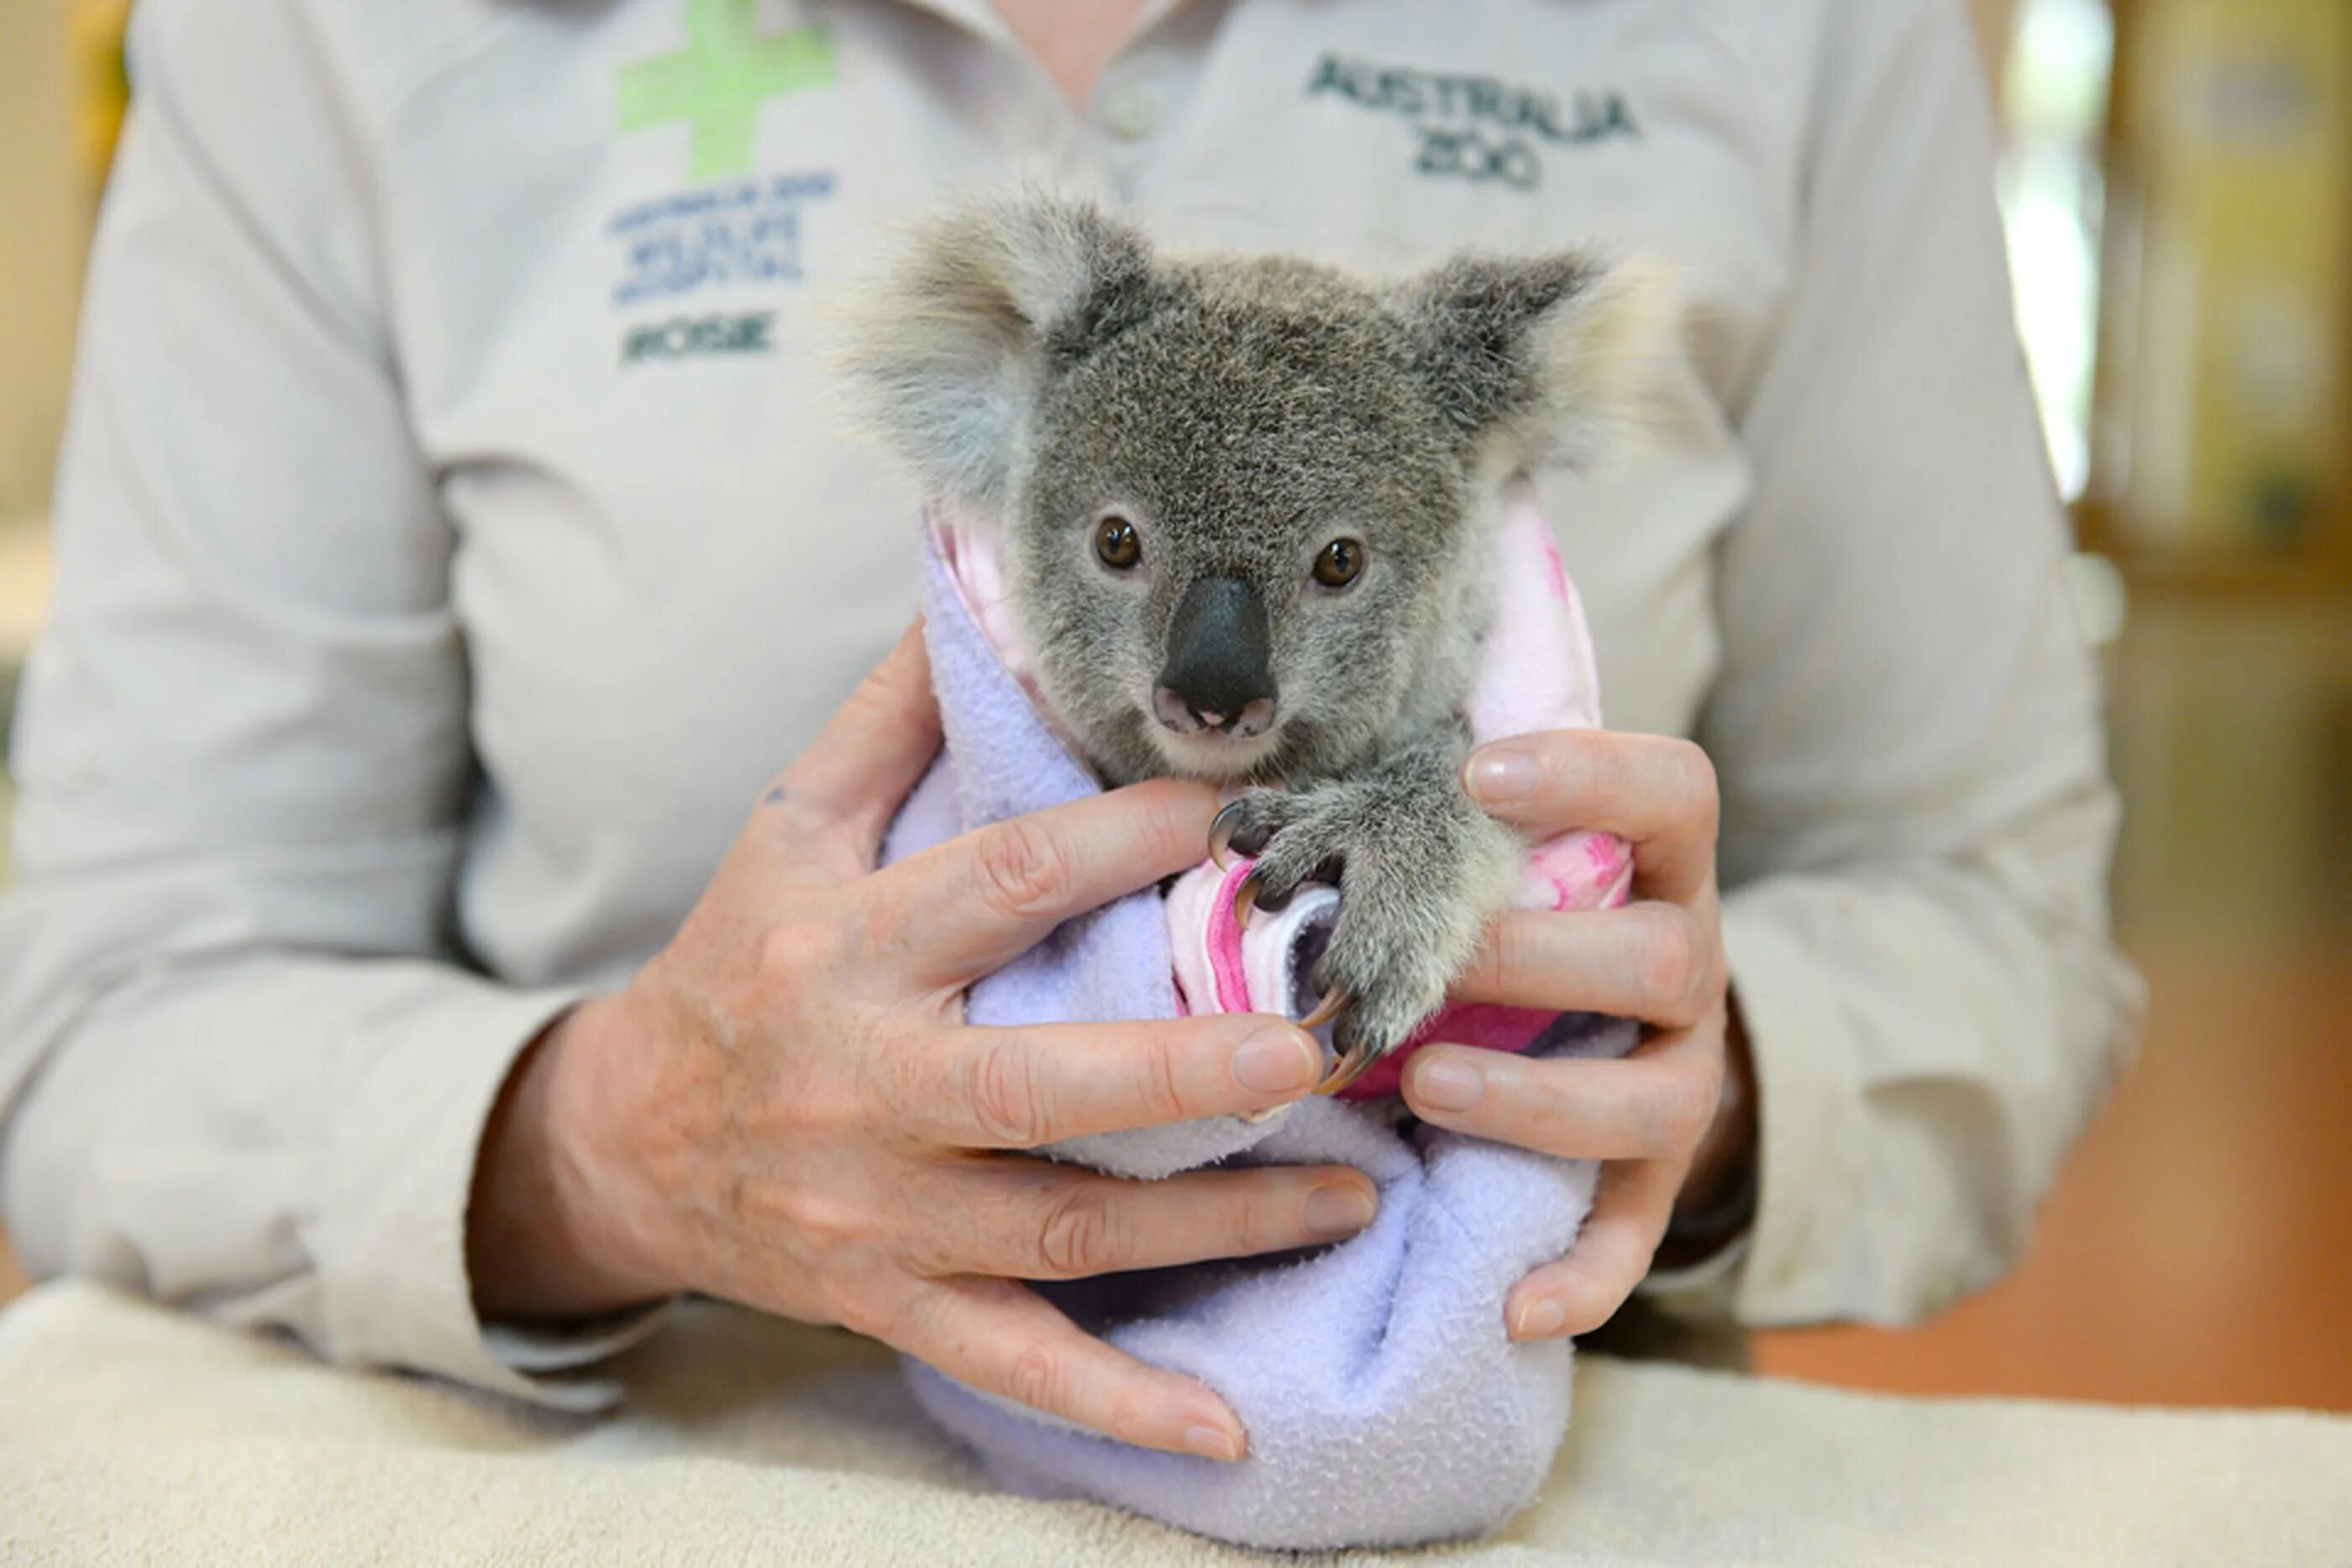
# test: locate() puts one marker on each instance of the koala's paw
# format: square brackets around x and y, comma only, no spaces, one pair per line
[1248,826]
[1418,877]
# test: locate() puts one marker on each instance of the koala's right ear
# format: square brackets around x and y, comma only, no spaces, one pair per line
[1546,358]
[945,351]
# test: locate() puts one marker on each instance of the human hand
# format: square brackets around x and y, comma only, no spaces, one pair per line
[1674,1119]
[786,1109]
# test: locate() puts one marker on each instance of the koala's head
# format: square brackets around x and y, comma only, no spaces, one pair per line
[1245,498]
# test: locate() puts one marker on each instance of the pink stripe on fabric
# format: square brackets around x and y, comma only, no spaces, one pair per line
[1225,945]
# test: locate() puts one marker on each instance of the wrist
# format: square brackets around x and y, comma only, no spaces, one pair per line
[546,1233]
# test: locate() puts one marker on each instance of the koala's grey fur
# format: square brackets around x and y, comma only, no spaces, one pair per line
[1036,361]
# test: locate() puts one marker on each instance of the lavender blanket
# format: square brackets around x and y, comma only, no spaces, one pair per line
[1385,1404]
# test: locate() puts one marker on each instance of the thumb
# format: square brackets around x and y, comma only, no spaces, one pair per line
[873,751]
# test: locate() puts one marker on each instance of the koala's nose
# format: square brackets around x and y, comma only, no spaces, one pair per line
[1220,669]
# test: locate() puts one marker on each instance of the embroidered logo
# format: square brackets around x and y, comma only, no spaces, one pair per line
[716,85]
[1475,127]
[686,337]
[737,231]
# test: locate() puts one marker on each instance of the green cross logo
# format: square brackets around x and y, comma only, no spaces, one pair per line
[717,82]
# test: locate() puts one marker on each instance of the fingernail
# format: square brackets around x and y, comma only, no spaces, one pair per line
[1449,1085]
[1540,1319]
[1213,1443]
[1338,1210]
[1277,1061]
[1499,773]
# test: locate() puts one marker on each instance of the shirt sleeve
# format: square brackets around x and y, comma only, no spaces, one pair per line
[1916,816]
[239,1066]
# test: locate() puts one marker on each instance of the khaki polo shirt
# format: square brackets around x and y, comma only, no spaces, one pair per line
[455,532]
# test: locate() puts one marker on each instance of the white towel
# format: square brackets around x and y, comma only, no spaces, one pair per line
[129,1434]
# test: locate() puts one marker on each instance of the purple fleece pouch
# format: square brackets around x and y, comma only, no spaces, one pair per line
[1385,1404]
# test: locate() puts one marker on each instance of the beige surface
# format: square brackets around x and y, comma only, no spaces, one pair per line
[2198,1250]
[127,1434]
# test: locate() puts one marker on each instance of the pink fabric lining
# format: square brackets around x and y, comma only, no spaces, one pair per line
[1225,961]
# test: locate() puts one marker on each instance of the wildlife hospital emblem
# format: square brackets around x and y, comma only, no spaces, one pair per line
[716,85]
[729,227]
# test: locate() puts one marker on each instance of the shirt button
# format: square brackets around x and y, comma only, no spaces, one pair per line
[1131,112]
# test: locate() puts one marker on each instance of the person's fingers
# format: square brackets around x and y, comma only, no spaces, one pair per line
[1658,962]
[1656,792]
[1584,1289]
[871,753]
[1018,1088]
[1032,1220]
[1002,1339]
[965,908]
[1655,1103]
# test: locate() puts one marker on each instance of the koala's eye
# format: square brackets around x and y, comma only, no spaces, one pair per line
[1117,544]
[1340,563]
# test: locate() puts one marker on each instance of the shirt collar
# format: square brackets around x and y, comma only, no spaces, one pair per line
[982,17]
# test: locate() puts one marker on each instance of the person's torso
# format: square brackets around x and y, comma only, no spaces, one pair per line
[610,228]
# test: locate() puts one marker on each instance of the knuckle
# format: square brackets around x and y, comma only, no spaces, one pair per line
[1665,964]
[1245,1220]
[1162,1079]
[899,1319]
[1680,1111]
[813,846]
[1511,945]
[824,1223]
[793,948]
[1023,869]
[1694,779]
[1081,1235]
[1037,1378]
[755,1207]
[1597,767]
[1254,1226]
[901,1087]
[1002,1088]
[1173,821]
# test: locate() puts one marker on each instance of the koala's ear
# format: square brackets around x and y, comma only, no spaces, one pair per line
[945,351]
[1545,358]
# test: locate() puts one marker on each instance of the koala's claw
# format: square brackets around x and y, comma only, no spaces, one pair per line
[1245,899]
[1351,1066]
[1418,868]
[1335,1002]
[1252,895]
[1221,833]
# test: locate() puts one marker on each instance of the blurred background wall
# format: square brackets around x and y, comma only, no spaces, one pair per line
[43,213]
[2178,190]
[2176,186]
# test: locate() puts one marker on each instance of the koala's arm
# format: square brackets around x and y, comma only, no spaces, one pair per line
[1420,868]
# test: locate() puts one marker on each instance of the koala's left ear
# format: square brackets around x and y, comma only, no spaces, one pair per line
[1543,359]
[945,352]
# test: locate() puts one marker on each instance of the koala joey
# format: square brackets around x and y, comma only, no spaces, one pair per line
[1249,509]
